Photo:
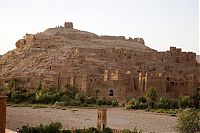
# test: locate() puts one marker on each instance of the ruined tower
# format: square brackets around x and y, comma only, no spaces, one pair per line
[101,118]
[68,25]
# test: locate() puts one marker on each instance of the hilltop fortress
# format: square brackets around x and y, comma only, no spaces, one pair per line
[117,66]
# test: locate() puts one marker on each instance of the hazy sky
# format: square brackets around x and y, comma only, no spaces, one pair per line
[162,23]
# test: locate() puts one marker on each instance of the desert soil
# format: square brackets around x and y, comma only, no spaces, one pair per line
[118,118]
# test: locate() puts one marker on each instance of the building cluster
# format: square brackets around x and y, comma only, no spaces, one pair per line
[64,55]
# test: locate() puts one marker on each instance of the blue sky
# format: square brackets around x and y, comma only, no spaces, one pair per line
[162,23]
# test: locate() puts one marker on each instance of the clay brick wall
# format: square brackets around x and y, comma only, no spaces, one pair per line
[2,114]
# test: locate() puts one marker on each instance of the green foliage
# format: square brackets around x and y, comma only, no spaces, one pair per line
[103,101]
[69,96]
[65,131]
[77,131]
[107,130]
[92,130]
[14,84]
[151,97]
[52,128]
[57,128]
[166,103]
[184,102]
[136,104]
[134,131]
[114,103]
[188,121]
[142,100]
[70,90]
[196,98]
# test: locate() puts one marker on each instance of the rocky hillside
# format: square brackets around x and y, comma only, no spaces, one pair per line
[47,51]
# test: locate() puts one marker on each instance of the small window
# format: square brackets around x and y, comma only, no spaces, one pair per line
[168,78]
[111,93]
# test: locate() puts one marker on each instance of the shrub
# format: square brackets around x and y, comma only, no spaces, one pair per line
[77,131]
[51,128]
[92,130]
[184,102]
[107,130]
[151,97]
[88,100]
[166,103]
[16,97]
[196,98]
[136,104]
[142,100]
[188,121]
[134,131]
[114,103]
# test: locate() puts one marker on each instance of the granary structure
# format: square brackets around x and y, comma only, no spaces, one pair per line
[116,66]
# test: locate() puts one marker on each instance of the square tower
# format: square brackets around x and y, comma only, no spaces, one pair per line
[102,119]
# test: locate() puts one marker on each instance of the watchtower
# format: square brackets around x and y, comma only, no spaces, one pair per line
[68,25]
[102,118]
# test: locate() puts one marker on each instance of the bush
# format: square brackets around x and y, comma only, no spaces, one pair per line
[188,121]
[114,103]
[16,97]
[99,101]
[151,97]
[136,104]
[142,100]
[165,103]
[184,102]
[51,128]
[88,100]
[107,130]
[77,131]
[92,130]
[134,131]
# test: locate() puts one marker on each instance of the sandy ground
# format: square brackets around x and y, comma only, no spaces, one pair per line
[118,118]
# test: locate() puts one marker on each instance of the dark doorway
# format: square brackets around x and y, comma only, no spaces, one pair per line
[111,93]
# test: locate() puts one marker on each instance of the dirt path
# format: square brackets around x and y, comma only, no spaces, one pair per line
[80,118]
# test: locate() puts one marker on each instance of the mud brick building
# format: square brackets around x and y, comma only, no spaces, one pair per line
[117,66]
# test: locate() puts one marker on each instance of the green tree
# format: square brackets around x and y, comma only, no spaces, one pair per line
[151,97]
[188,121]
